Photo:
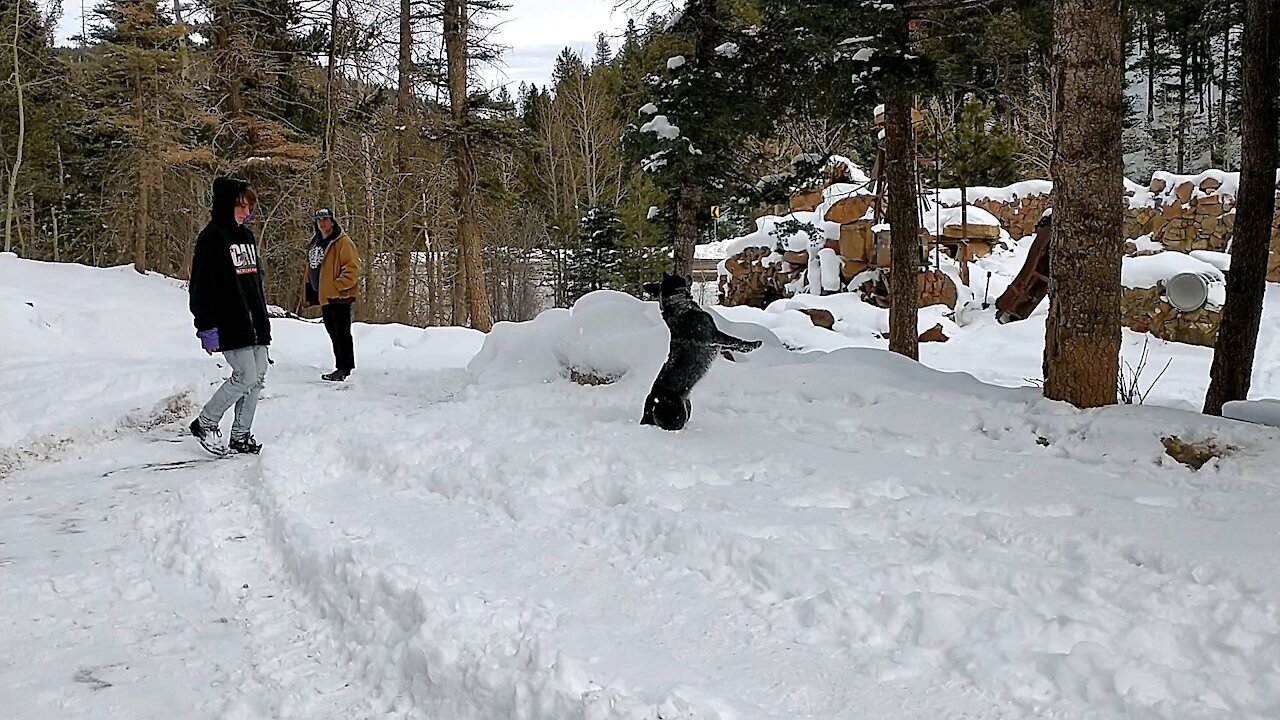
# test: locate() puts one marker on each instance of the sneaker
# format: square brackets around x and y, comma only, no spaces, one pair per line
[209,435]
[336,376]
[245,444]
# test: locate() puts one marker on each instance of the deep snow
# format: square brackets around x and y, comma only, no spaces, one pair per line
[462,533]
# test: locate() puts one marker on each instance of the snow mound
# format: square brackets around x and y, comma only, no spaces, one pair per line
[606,335]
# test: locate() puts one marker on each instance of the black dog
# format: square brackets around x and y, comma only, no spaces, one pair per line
[695,341]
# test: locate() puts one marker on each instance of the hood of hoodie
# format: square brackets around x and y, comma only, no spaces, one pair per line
[226,191]
[319,239]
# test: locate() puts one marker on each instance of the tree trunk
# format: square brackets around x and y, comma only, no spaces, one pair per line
[1182,105]
[904,220]
[1082,343]
[1233,354]
[141,220]
[1151,72]
[403,188]
[470,261]
[62,203]
[687,206]
[224,58]
[10,202]
[330,108]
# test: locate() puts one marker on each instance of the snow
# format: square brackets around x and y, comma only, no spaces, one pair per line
[654,212]
[661,127]
[938,217]
[1263,412]
[676,62]
[864,54]
[729,50]
[462,532]
[716,250]
[950,197]
[1220,260]
[1228,184]
[767,233]
[856,174]
[1146,243]
[1148,271]
[649,109]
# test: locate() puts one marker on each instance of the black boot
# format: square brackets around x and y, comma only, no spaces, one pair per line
[336,376]
[245,444]
[209,435]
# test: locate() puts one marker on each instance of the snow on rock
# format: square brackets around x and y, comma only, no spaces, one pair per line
[856,174]
[1220,260]
[830,263]
[1228,184]
[938,217]
[950,197]
[1140,196]
[1145,243]
[769,235]
[1149,271]
[661,127]
[675,62]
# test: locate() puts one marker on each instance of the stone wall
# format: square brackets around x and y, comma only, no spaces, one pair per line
[1020,216]
[1145,310]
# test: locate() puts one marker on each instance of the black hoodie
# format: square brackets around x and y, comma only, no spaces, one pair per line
[226,275]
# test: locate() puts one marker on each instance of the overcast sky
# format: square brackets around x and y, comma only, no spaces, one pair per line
[534,30]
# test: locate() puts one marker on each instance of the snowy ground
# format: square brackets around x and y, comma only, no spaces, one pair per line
[459,533]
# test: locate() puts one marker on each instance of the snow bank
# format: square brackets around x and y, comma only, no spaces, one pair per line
[87,351]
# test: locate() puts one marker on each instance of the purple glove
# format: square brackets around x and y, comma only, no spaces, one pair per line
[209,340]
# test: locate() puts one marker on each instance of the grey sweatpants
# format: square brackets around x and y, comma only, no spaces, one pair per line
[248,376]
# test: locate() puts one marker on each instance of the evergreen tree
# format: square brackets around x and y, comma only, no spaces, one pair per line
[972,150]
[141,112]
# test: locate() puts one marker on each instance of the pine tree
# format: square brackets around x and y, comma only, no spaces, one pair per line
[142,112]
[603,53]
[699,112]
[972,150]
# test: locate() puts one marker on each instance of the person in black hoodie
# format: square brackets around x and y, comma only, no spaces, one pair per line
[230,311]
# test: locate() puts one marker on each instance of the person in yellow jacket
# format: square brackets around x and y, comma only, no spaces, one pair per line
[332,278]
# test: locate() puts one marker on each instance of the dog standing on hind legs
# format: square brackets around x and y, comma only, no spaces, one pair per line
[695,342]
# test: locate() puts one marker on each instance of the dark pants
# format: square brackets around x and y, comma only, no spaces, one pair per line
[337,320]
